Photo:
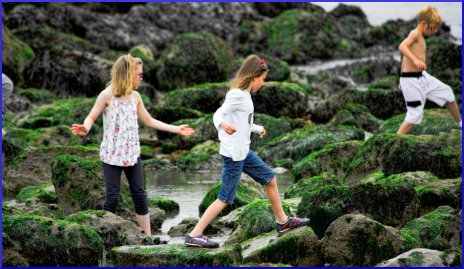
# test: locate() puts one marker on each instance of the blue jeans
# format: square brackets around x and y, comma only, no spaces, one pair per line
[252,165]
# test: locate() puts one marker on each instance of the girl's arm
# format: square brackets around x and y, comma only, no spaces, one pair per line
[100,104]
[147,119]
[232,102]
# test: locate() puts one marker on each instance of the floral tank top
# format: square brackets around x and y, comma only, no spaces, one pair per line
[121,144]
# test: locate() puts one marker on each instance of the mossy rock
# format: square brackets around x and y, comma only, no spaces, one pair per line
[45,241]
[32,206]
[169,114]
[359,116]
[200,156]
[174,255]
[206,97]
[440,229]
[434,122]
[281,99]
[387,202]
[248,191]
[15,56]
[324,205]
[393,154]
[274,127]
[187,225]
[311,184]
[165,204]
[388,82]
[333,158]
[439,193]
[257,218]
[278,69]
[45,193]
[355,240]
[143,52]
[194,58]
[298,247]
[299,143]
[37,96]
[13,150]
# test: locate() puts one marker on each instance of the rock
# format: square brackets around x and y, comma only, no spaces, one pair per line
[16,55]
[311,184]
[165,204]
[355,240]
[32,206]
[298,247]
[187,225]
[274,127]
[257,218]
[44,193]
[170,114]
[393,154]
[416,257]
[299,143]
[278,69]
[174,255]
[359,116]
[202,157]
[37,96]
[248,191]
[434,194]
[325,204]
[440,229]
[434,122]
[194,58]
[143,52]
[333,158]
[272,9]
[157,217]
[45,241]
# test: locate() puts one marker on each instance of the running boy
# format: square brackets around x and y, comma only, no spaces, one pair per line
[416,84]
[234,122]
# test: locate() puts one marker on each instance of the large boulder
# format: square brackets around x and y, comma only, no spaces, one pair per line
[47,242]
[187,225]
[292,147]
[298,247]
[359,116]
[333,158]
[202,157]
[355,240]
[174,255]
[311,184]
[15,56]
[257,218]
[194,58]
[393,154]
[438,193]
[44,193]
[440,229]
[420,257]
[274,128]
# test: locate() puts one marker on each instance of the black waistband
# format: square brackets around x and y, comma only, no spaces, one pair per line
[411,74]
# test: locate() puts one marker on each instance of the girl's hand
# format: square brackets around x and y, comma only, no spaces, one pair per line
[79,129]
[263,133]
[185,130]
[228,128]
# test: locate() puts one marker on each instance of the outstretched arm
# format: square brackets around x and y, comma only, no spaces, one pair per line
[406,51]
[83,129]
[149,121]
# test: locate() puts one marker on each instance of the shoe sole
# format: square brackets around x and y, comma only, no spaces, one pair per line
[198,246]
[290,228]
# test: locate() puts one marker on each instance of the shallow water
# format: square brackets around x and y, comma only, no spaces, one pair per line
[188,190]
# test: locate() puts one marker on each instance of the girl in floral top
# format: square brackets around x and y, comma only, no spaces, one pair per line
[121,106]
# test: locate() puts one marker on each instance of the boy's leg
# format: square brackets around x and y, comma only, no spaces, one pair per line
[454,110]
[134,175]
[405,128]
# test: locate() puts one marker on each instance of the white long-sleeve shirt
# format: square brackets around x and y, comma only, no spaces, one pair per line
[237,110]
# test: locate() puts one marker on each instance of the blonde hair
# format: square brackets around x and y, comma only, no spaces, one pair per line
[251,68]
[430,15]
[123,75]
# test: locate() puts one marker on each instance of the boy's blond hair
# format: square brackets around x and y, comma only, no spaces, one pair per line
[123,75]
[430,15]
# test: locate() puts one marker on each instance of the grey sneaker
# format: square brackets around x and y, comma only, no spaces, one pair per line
[292,222]
[200,241]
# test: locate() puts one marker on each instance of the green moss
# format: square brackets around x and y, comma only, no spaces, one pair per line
[198,155]
[311,184]
[205,97]
[163,203]
[83,216]
[37,95]
[143,52]
[41,192]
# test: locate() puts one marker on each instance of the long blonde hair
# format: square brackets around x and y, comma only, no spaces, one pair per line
[251,68]
[123,75]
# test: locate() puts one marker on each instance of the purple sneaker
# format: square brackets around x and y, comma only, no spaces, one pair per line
[292,222]
[200,241]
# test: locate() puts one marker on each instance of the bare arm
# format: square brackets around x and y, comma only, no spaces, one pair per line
[406,51]
[149,121]
[102,100]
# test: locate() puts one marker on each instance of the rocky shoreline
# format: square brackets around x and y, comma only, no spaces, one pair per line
[374,198]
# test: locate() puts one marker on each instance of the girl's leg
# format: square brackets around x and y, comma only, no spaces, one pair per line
[112,176]
[272,192]
[211,212]
[135,179]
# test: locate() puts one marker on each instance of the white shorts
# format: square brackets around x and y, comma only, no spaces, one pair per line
[417,89]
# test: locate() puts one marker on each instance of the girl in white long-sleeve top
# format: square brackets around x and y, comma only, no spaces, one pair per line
[234,122]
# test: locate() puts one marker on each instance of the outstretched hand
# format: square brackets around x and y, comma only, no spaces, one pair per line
[262,134]
[79,129]
[185,130]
